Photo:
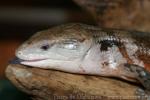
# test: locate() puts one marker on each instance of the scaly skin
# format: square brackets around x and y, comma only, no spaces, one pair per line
[84,49]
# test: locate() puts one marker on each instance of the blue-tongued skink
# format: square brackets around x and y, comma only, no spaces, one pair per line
[84,49]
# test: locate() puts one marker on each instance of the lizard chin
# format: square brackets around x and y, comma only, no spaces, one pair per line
[42,63]
[56,64]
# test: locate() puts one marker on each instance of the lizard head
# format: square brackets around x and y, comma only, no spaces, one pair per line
[61,45]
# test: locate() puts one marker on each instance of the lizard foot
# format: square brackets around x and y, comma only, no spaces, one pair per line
[142,94]
[141,74]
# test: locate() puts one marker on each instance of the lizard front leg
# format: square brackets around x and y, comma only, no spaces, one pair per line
[141,75]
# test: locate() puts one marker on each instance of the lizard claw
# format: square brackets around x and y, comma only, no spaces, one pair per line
[142,94]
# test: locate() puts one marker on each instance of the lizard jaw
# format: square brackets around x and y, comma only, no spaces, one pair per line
[17,60]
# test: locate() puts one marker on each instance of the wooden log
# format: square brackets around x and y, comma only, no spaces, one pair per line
[44,84]
[124,14]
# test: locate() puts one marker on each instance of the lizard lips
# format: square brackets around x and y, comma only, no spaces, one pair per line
[17,60]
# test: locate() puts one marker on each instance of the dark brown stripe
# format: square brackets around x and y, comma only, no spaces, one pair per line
[145,58]
[124,53]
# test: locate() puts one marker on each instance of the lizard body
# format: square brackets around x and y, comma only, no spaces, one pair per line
[85,49]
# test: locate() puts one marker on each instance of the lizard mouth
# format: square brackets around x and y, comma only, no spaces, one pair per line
[17,60]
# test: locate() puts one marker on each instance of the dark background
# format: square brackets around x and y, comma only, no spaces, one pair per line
[19,19]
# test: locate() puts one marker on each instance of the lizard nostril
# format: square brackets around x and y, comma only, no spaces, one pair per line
[19,53]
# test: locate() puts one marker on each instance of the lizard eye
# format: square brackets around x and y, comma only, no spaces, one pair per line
[45,47]
[69,44]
